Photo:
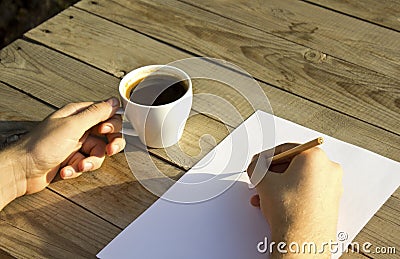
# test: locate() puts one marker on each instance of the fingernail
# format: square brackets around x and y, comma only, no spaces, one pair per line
[113,102]
[87,166]
[107,129]
[68,173]
[114,149]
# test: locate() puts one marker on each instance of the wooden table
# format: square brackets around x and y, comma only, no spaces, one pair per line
[332,66]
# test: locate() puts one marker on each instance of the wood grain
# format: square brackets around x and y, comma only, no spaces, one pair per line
[76,23]
[332,33]
[308,114]
[351,255]
[5,255]
[19,114]
[45,225]
[59,82]
[111,192]
[114,177]
[15,106]
[50,85]
[385,12]
[284,104]
[307,70]
[385,234]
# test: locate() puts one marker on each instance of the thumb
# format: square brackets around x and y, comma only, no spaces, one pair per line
[262,163]
[259,166]
[96,113]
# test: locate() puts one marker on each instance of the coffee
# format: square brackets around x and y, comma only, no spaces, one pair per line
[156,90]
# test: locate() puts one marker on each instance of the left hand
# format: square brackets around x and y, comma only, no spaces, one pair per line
[72,140]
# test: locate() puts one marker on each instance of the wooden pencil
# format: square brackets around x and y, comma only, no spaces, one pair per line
[297,150]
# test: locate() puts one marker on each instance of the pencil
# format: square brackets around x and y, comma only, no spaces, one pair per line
[297,150]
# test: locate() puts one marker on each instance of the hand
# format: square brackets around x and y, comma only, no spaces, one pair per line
[299,197]
[72,140]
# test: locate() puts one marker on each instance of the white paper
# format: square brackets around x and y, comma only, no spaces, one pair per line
[227,226]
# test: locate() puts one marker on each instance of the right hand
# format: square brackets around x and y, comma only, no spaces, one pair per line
[299,197]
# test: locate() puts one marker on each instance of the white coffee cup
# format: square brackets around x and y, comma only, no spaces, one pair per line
[160,125]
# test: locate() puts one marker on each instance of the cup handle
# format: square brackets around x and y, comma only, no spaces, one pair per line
[126,126]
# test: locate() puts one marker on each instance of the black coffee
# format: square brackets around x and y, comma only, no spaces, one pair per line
[157,90]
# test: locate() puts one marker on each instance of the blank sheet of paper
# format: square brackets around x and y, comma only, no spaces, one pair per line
[227,226]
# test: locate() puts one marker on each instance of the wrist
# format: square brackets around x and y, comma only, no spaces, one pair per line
[13,163]
[302,240]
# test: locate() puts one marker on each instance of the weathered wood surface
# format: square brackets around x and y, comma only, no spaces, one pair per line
[47,83]
[112,192]
[283,104]
[282,100]
[351,255]
[384,12]
[5,255]
[19,113]
[386,234]
[304,69]
[46,225]
[332,33]
[16,106]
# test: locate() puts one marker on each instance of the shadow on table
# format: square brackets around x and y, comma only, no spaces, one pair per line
[47,226]
[11,131]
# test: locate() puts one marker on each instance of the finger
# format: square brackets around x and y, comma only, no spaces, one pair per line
[115,143]
[71,169]
[70,109]
[95,148]
[83,138]
[271,183]
[255,200]
[112,125]
[257,159]
[91,163]
[96,113]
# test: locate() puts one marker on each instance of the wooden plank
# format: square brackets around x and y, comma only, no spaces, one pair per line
[125,198]
[285,105]
[40,78]
[331,33]
[110,177]
[15,106]
[19,113]
[311,114]
[112,195]
[307,70]
[5,255]
[110,192]
[46,225]
[383,229]
[384,12]
[353,255]
[78,23]
[65,75]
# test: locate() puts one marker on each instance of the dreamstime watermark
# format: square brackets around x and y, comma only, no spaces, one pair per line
[338,246]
